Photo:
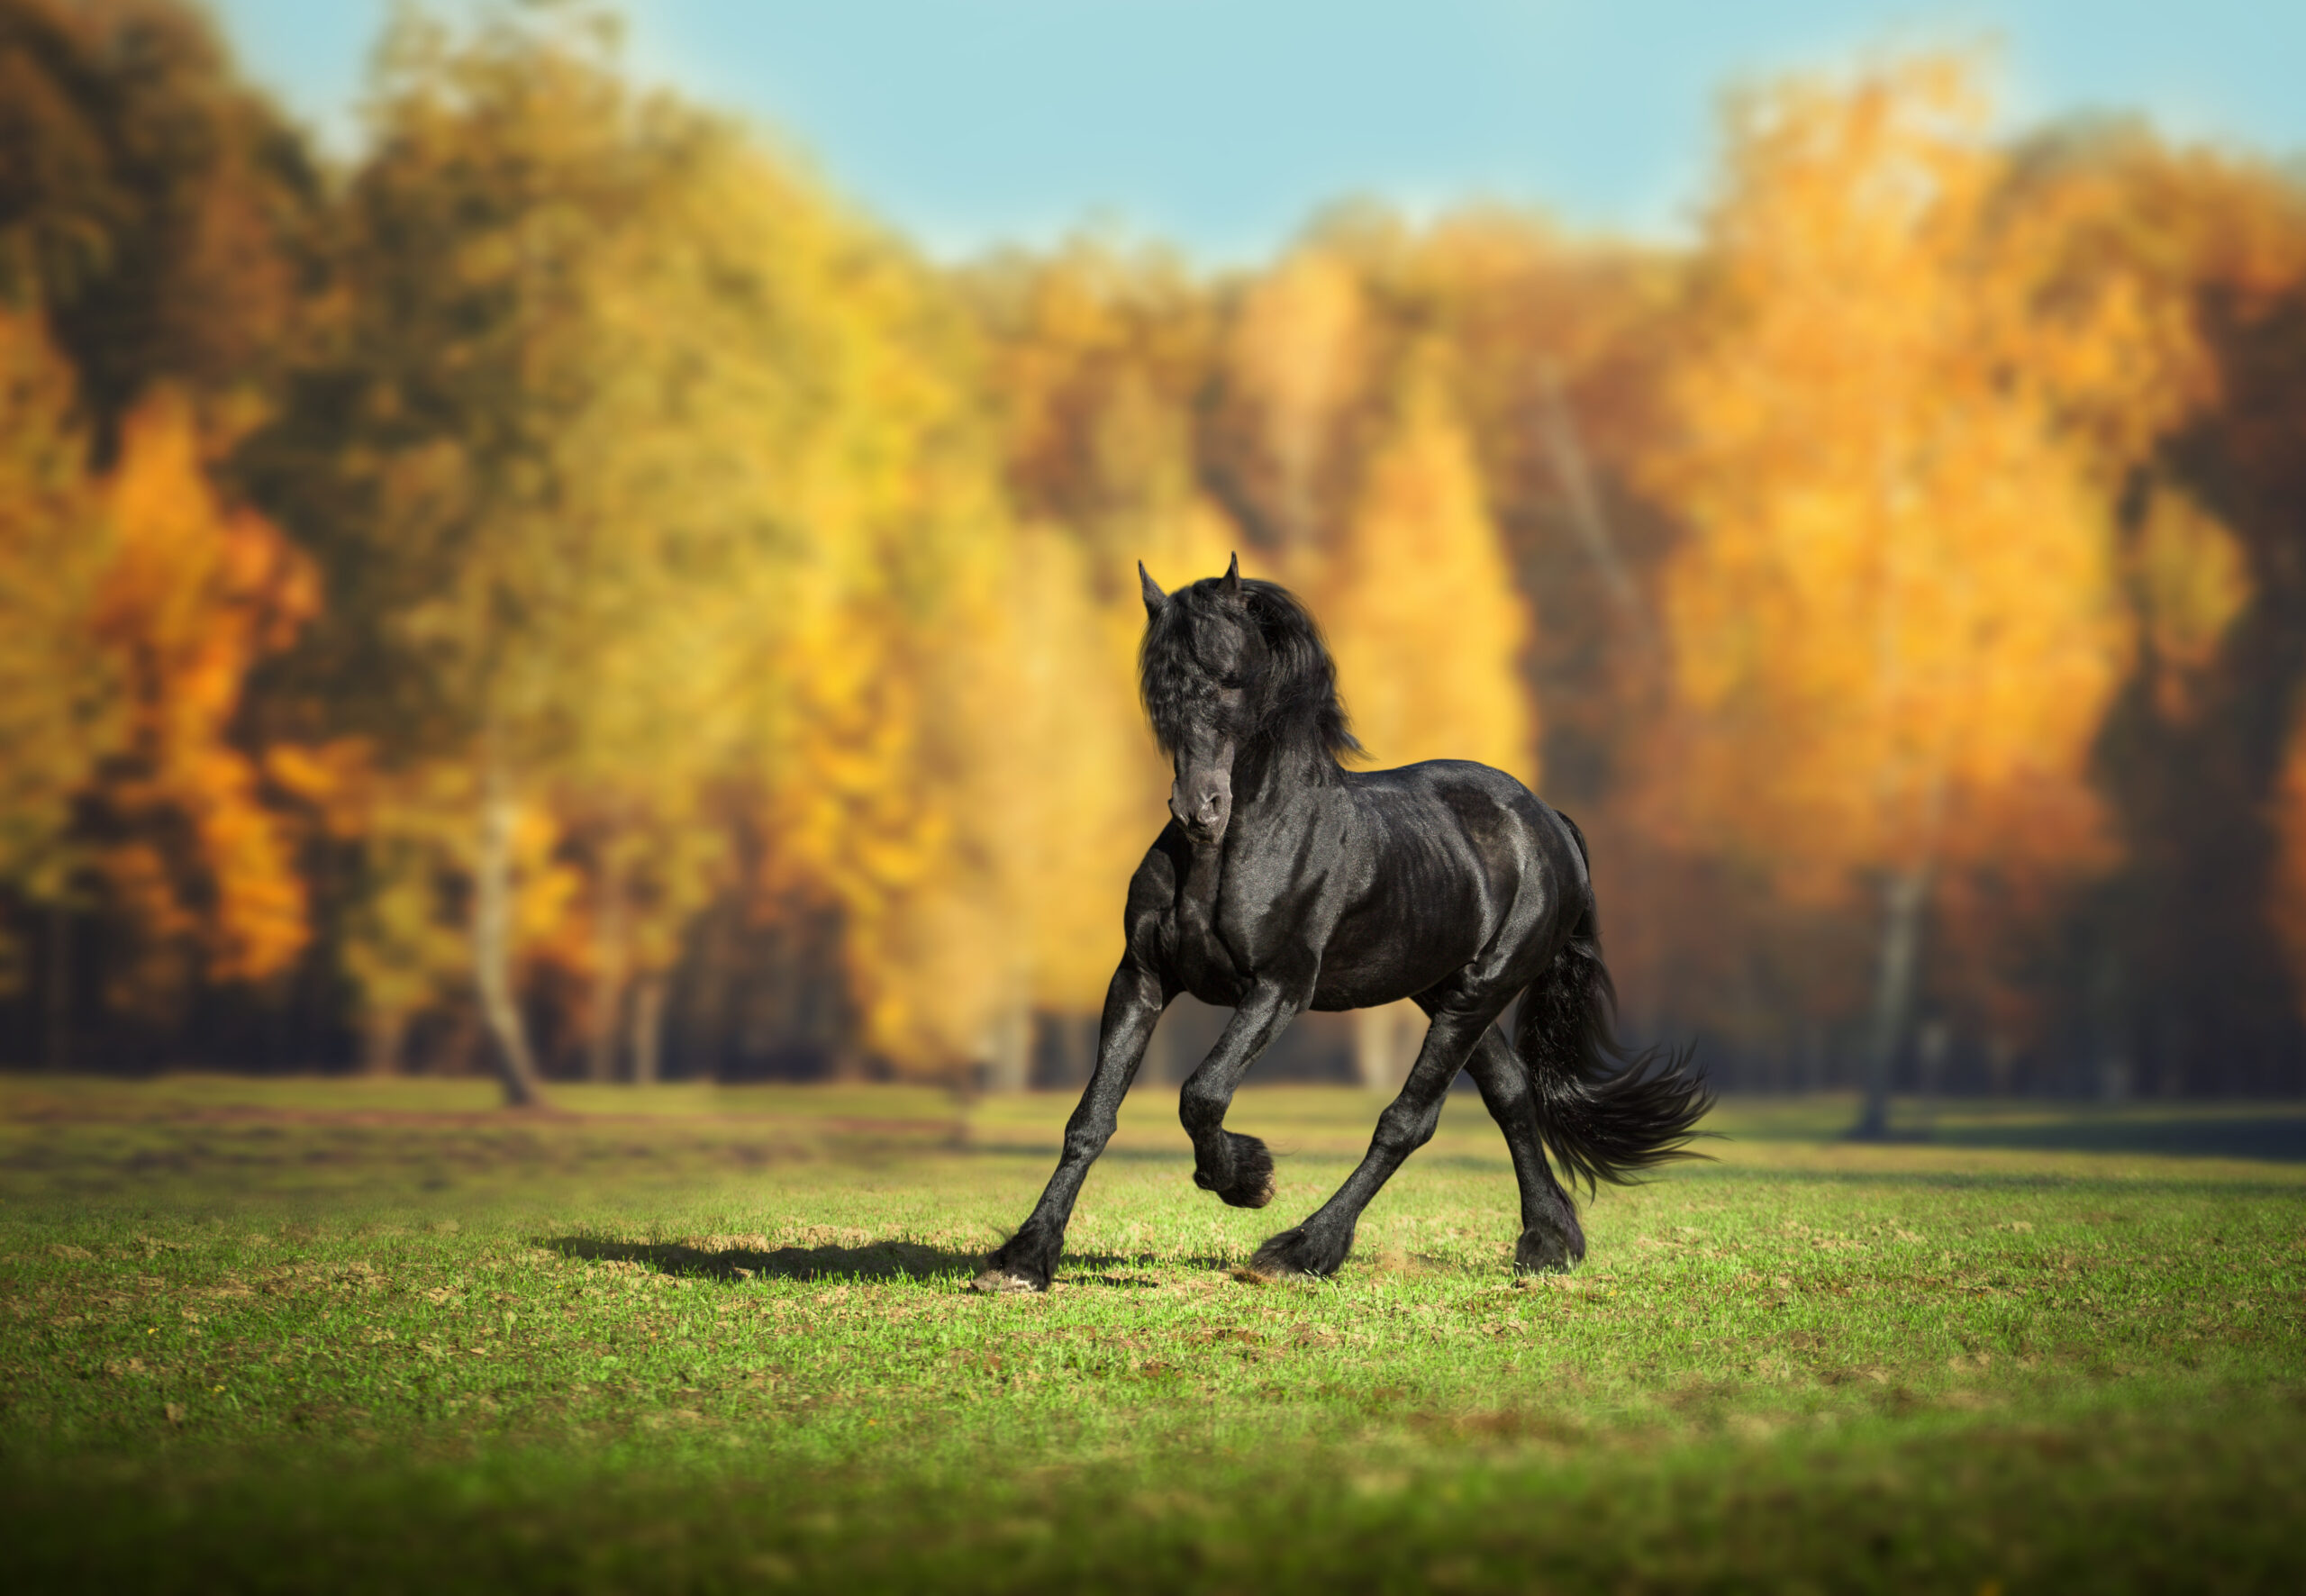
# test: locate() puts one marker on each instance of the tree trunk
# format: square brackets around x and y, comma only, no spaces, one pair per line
[1090,1031]
[647,1027]
[1573,470]
[1903,901]
[1382,1044]
[2000,1065]
[383,1031]
[57,997]
[1009,1058]
[2114,1068]
[609,976]
[1075,1037]
[492,941]
[1931,1048]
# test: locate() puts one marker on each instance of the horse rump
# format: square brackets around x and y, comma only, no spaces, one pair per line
[1605,1111]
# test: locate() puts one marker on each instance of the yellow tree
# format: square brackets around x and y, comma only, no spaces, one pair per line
[1426,620]
[134,606]
[2213,241]
[625,467]
[60,709]
[1897,618]
[1299,355]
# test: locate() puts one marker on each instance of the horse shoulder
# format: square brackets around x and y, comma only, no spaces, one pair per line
[1149,912]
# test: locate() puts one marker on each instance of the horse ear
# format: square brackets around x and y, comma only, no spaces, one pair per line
[1233,578]
[1156,601]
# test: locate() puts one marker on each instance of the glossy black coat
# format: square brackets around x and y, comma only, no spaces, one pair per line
[1285,882]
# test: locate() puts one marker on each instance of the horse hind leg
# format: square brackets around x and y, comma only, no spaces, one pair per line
[1551,1242]
[1321,1244]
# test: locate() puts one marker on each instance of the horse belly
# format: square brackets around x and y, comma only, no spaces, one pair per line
[1372,963]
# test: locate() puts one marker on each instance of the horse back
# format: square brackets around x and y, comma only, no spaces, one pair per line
[1466,871]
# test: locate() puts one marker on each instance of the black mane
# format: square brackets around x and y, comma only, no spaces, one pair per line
[1297,696]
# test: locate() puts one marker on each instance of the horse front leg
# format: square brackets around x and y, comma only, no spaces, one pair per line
[1321,1244]
[1133,1004]
[1238,1168]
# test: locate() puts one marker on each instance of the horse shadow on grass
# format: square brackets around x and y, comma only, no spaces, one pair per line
[872,1261]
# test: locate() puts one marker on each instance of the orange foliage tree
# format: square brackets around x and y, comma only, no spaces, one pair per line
[136,604]
[198,591]
[1897,618]
[59,705]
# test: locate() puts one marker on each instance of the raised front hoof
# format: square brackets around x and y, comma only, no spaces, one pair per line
[1542,1251]
[1249,1182]
[1300,1254]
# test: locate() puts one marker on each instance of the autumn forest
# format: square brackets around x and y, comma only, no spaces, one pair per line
[565,594]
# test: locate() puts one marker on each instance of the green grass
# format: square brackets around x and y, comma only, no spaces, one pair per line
[381,1337]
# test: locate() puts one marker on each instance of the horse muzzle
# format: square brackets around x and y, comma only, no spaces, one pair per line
[1201,808]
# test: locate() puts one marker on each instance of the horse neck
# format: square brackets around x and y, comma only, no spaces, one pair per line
[1270,778]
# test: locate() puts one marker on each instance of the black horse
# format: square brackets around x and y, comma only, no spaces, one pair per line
[1285,882]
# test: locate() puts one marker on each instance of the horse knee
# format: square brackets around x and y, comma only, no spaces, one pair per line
[1082,1143]
[1201,1109]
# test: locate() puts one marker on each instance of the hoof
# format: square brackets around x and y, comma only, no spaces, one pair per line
[1026,1262]
[1542,1251]
[1006,1281]
[1299,1255]
[1250,1184]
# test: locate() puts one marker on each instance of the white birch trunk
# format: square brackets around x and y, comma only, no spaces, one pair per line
[1384,1045]
[1009,1052]
[609,976]
[648,1028]
[383,1034]
[492,941]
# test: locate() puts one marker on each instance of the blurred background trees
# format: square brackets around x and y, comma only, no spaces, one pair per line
[565,594]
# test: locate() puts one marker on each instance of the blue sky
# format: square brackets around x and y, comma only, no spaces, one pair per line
[1222,125]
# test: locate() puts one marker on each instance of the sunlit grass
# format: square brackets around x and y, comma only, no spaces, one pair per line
[715,1337]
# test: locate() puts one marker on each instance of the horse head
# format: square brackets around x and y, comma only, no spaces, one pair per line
[1203,666]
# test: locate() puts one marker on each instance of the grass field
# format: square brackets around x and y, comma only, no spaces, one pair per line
[383,1336]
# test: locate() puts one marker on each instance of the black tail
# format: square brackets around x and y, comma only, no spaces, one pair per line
[1605,1113]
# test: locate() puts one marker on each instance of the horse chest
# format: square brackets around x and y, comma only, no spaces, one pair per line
[1221,923]
[1203,963]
